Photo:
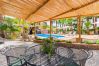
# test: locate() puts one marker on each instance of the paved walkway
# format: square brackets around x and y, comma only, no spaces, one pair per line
[94,61]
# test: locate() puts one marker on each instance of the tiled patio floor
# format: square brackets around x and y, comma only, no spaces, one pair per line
[94,61]
[7,43]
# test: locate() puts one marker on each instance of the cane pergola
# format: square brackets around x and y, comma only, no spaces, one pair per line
[42,10]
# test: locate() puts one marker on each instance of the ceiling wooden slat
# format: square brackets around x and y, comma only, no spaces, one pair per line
[36,9]
[77,8]
[41,10]
[92,9]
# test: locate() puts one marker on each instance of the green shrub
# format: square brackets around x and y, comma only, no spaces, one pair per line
[47,40]
[60,40]
[68,42]
[97,41]
[97,28]
[57,40]
[89,42]
[48,47]
[39,39]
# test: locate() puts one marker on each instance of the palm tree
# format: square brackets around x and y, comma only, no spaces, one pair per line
[9,27]
[66,21]
[87,26]
[69,21]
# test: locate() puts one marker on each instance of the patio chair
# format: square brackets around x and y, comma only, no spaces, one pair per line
[1,40]
[34,57]
[81,56]
[13,56]
[65,57]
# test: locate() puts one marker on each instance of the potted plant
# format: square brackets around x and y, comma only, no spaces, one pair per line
[48,47]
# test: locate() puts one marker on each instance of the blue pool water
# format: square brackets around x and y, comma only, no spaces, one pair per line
[48,35]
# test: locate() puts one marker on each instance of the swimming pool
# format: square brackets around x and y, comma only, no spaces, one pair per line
[48,35]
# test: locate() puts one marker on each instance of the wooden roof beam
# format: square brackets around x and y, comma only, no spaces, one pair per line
[11,4]
[73,9]
[37,9]
[95,14]
[70,17]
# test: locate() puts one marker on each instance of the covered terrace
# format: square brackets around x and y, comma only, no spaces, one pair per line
[37,11]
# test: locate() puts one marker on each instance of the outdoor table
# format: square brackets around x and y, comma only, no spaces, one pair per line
[43,59]
[1,40]
[17,55]
[75,45]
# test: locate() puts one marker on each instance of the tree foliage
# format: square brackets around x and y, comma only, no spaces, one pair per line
[12,26]
[88,25]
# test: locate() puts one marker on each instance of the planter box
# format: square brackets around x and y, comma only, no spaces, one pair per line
[80,46]
[38,41]
[75,45]
[77,39]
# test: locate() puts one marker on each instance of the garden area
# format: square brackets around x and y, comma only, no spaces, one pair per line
[17,31]
[66,31]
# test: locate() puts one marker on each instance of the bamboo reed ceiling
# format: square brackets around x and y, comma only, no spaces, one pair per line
[41,10]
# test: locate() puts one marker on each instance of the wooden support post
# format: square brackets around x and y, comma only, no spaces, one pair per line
[94,25]
[56,26]
[79,29]
[50,28]
[1,18]
[35,30]
[2,33]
